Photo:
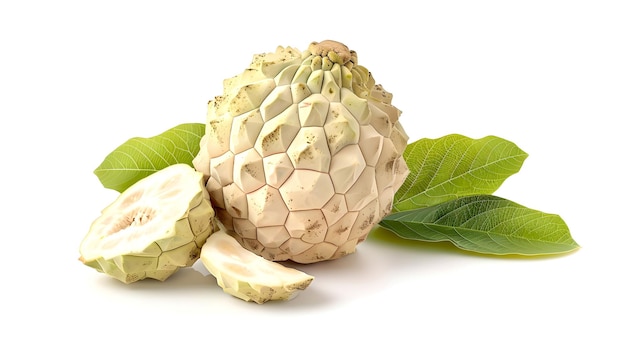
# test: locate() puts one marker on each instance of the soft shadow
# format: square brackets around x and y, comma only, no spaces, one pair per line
[355,276]
[348,278]
[312,298]
[184,281]
[197,281]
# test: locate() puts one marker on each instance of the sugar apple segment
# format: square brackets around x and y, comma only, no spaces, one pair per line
[278,133]
[358,107]
[266,207]
[320,252]
[328,144]
[153,228]
[371,144]
[216,139]
[222,167]
[315,80]
[248,276]
[299,92]
[273,237]
[278,168]
[380,121]
[249,97]
[310,226]
[272,63]
[202,161]
[399,137]
[346,167]
[335,209]
[341,128]
[306,190]
[276,102]
[339,231]
[248,76]
[302,75]
[330,87]
[363,191]
[286,76]
[388,165]
[235,201]
[246,229]
[403,169]
[312,111]
[309,150]
[245,129]
[248,171]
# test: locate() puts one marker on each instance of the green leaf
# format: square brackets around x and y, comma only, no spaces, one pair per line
[485,224]
[139,157]
[454,166]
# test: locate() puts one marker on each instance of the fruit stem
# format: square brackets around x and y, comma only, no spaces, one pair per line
[334,50]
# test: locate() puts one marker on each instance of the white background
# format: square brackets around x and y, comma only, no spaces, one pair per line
[78,78]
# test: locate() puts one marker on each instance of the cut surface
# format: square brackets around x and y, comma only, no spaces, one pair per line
[153,228]
[248,276]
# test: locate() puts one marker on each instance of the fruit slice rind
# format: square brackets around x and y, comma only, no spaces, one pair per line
[152,229]
[245,275]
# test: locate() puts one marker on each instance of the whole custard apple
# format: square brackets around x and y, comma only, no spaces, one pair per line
[302,153]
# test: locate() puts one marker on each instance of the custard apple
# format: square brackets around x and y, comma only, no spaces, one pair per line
[302,153]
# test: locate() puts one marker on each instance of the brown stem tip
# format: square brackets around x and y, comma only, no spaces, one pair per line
[334,50]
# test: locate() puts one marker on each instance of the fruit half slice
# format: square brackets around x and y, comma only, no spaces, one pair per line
[152,229]
[250,277]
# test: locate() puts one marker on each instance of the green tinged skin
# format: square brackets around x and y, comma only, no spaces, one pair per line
[485,224]
[139,157]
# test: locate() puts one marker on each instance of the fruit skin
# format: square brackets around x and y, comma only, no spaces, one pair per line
[153,228]
[248,276]
[302,153]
